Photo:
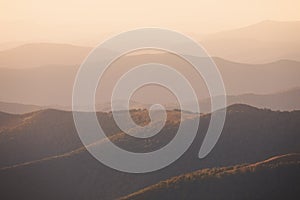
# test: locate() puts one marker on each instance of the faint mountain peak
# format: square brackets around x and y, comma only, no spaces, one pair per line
[262,42]
[268,31]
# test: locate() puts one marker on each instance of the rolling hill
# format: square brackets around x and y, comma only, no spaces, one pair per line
[263,42]
[284,101]
[275,178]
[42,54]
[41,152]
[53,85]
[17,108]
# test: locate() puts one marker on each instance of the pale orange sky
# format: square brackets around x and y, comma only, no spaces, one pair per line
[83,21]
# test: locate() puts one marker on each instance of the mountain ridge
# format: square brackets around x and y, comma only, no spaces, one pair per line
[285,100]
[268,78]
[176,183]
[247,137]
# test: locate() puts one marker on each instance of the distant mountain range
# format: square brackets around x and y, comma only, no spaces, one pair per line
[42,54]
[260,59]
[40,153]
[284,101]
[264,42]
[17,108]
[42,156]
[275,178]
[53,85]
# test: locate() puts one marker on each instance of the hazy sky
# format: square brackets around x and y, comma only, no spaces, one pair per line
[84,20]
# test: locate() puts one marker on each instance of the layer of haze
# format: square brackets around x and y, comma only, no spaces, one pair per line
[87,22]
[255,45]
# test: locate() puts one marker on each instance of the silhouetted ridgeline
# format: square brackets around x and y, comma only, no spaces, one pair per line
[41,156]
